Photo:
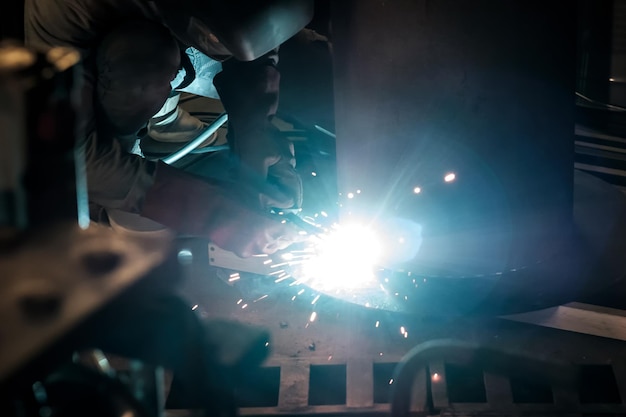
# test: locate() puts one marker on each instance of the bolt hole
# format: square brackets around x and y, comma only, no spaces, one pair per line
[100,263]
[40,308]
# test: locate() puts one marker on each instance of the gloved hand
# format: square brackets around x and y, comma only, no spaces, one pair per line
[215,210]
[262,157]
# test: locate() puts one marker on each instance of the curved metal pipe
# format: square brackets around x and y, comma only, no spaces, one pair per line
[470,354]
[212,128]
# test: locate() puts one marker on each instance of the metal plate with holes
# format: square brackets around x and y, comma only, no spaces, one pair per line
[56,278]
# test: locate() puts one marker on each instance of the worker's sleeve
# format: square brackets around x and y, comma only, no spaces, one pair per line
[115,178]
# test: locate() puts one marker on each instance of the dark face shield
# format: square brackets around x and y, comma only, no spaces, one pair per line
[205,40]
[245,29]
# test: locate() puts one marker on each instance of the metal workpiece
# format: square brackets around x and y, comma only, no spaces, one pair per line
[329,355]
[58,278]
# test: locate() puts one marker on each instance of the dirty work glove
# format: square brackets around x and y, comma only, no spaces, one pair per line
[218,211]
[261,156]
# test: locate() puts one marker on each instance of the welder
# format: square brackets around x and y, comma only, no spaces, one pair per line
[136,55]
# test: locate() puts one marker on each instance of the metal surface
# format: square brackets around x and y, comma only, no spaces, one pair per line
[54,281]
[365,344]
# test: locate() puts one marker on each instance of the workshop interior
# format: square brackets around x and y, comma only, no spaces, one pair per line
[463,228]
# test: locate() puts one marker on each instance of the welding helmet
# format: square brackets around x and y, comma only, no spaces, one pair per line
[245,29]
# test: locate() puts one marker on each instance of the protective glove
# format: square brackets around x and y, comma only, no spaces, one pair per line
[262,157]
[221,212]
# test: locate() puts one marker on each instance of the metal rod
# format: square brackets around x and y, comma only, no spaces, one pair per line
[326,132]
[212,128]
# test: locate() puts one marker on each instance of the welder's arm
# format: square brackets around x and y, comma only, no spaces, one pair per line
[249,92]
[220,211]
[189,205]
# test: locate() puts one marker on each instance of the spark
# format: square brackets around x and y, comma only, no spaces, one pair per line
[402,330]
[451,176]
[277,272]
[317,297]
[313,317]
[267,262]
[244,306]
[279,265]
[330,357]
[281,279]
[240,300]
[267,344]
[260,255]
[358,191]
[293,298]
[350,195]
[314,173]
[377,323]
[391,381]
[380,353]
[417,190]
[436,377]
[323,213]
[406,335]
[260,298]
[301,292]
[287,256]
[232,279]
[194,307]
